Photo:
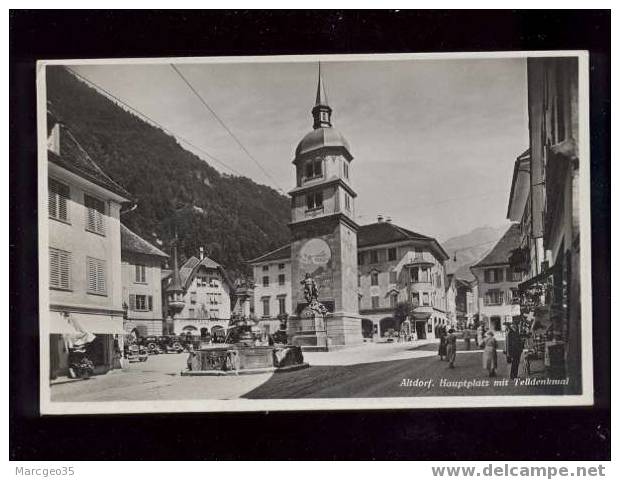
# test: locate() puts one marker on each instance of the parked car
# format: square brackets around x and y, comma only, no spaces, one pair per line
[136,353]
[152,345]
[174,344]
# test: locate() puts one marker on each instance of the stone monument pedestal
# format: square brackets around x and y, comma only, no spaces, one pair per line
[308,331]
[344,329]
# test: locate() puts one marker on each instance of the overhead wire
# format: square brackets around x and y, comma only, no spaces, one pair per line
[225,127]
[153,122]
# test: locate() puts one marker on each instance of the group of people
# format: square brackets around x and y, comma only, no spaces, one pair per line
[487,341]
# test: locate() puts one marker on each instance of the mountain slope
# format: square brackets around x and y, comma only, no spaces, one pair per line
[233,217]
[469,248]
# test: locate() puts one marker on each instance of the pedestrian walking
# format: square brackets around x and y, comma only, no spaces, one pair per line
[467,338]
[190,357]
[514,349]
[451,348]
[489,355]
[480,335]
[442,342]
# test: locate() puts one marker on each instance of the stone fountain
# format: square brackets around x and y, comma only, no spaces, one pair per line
[244,352]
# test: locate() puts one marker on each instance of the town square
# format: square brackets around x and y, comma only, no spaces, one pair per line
[435,252]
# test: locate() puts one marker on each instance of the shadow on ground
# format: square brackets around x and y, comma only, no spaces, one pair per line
[385,379]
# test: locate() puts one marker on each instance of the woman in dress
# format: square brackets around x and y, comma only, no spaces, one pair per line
[451,348]
[442,342]
[489,355]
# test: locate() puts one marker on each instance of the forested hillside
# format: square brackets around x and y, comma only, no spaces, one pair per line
[234,218]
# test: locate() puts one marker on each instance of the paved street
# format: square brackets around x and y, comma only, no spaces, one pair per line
[370,370]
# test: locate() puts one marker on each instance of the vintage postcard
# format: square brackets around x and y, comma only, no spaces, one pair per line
[314,232]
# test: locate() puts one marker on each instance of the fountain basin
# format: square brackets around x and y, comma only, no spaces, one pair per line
[239,359]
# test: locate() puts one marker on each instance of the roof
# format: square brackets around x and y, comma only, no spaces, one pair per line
[320,138]
[519,188]
[191,266]
[501,251]
[387,232]
[280,253]
[368,235]
[132,242]
[73,157]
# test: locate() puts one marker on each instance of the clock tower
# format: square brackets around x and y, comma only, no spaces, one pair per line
[324,231]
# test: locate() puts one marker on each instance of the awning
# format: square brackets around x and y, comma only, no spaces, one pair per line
[60,324]
[100,324]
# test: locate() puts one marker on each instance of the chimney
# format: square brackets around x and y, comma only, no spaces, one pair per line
[379,218]
[202,253]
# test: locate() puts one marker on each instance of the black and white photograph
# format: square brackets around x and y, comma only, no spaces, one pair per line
[314,232]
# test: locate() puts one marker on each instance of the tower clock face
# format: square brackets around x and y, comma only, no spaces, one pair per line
[315,252]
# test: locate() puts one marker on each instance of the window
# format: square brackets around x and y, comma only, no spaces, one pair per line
[265,281]
[374,256]
[375,302]
[266,307]
[347,201]
[374,278]
[314,168]
[141,303]
[95,213]
[265,268]
[494,275]
[140,273]
[494,297]
[513,295]
[214,313]
[391,254]
[314,200]
[418,254]
[346,169]
[414,273]
[96,276]
[57,197]
[60,269]
[192,297]
[513,275]
[359,280]
[281,266]
[393,276]
[281,305]
[360,258]
[281,279]
[393,300]
[415,299]
[425,300]
[425,274]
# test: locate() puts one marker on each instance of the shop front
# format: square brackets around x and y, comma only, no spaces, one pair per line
[100,335]
[544,322]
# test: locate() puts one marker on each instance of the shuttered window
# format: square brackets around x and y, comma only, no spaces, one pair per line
[141,303]
[60,269]
[95,215]
[140,273]
[57,199]
[96,276]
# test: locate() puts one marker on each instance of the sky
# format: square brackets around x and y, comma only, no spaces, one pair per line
[434,140]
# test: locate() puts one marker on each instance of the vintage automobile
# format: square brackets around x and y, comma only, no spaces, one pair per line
[172,344]
[136,353]
[152,345]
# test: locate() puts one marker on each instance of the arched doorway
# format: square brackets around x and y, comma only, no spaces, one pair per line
[386,324]
[218,334]
[367,328]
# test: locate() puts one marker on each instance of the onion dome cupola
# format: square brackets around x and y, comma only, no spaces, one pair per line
[323,134]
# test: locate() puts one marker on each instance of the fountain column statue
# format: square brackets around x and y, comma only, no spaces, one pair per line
[307,330]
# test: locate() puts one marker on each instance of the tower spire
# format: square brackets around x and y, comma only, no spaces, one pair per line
[321,112]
